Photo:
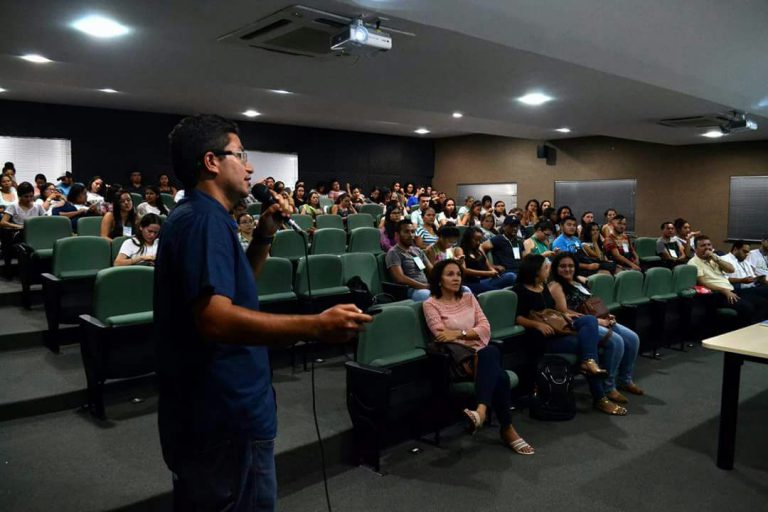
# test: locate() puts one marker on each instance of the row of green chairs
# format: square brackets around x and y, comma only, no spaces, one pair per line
[116,339]
[292,245]
[646,250]
[397,377]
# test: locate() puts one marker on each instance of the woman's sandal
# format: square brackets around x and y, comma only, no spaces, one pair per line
[608,407]
[474,422]
[632,388]
[521,447]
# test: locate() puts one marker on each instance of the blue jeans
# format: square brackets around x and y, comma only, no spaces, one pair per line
[620,354]
[583,344]
[492,283]
[236,475]
[492,384]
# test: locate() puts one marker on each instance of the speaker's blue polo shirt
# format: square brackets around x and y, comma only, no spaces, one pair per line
[207,390]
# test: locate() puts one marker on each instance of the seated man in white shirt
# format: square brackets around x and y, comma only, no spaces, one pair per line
[758,258]
[744,275]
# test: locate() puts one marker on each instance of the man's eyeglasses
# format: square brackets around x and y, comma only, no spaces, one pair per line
[240,155]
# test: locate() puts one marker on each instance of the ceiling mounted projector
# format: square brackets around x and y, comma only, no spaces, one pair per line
[359,39]
[741,122]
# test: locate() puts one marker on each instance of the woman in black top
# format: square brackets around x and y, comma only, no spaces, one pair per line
[479,274]
[620,350]
[533,295]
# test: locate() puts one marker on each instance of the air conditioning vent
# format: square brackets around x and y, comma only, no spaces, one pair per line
[704,121]
[295,30]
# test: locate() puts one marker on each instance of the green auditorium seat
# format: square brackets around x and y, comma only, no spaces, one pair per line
[116,244]
[646,250]
[665,307]
[67,290]
[89,226]
[359,220]
[168,201]
[602,286]
[365,240]
[389,383]
[326,203]
[137,199]
[373,210]
[329,241]
[275,284]
[329,221]
[364,266]
[254,208]
[289,244]
[40,233]
[398,291]
[635,310]
[693,307]
[116,341]
[322,286]
[500,308]
[684,279]
[303,221]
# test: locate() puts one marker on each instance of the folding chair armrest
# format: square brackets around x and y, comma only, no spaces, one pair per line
[91,322]
[397,290]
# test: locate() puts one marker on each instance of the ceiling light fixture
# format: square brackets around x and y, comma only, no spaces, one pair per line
[101,27]
[281,91]
[421,131]
[563,130]
[37,59]
[2,90]
[108,91]
[458,115]
[251,113]
[713,134]
[535,99]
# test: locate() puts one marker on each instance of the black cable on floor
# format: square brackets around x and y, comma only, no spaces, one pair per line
[320,440]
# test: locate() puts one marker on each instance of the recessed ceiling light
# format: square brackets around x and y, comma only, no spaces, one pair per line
[108,91]
[281,91]
[713,134]
[563,130]
[458,115]
[2,90]
[534,98]
[421,131]
[251,113]
[101,27]
[37,59]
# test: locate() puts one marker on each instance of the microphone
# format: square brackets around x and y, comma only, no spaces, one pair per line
[264,195]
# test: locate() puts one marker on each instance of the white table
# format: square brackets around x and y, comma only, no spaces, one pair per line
[747,344]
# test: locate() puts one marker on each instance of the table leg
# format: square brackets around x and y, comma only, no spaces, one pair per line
[729,407]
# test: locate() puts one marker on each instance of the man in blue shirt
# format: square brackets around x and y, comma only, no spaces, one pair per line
[568,241]
[65,183]
[216,414]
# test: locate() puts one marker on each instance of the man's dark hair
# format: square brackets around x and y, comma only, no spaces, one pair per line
[448,231]
[529,269]
[700,237]
[191,139]
[497,203]
[664,224]
[9,165]
[566,219]
[25,188]
[543,225]
[40,176]
[486,199]
[437,274]
[402,223]
[619,217]
[268,177]
[424,194]
[679,223]
[738,244]
[75,191]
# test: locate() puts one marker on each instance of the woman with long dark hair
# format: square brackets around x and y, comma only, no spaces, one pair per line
[388,228]
[460,328]
[473,216]
[153,202]
[164,184]
[533,296]
[449,215]
[570,292]
[121,221]
[531,214]
[479,274]
[141,249]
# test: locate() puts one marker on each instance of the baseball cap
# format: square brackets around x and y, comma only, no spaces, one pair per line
[511,220]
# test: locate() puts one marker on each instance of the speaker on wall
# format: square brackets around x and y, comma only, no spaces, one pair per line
[548,152]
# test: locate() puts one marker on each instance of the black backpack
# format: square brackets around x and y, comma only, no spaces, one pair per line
[553,392]
[362,296]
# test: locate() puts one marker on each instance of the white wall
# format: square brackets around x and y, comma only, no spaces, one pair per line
[52,157]
[281,166]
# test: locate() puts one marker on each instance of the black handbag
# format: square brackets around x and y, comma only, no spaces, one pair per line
[463,360]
